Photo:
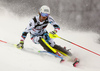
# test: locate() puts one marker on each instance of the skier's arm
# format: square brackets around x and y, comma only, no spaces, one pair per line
[27,30]
[55,25]
[57,28]
[20,45]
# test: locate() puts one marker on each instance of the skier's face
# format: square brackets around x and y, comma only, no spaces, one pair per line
[43,18]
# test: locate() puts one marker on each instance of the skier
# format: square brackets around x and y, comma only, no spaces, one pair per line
[39,34]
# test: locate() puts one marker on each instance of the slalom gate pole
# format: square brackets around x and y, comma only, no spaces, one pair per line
[6,42]
[79,46]
[3,41]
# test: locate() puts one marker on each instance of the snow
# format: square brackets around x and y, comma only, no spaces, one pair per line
[13,59]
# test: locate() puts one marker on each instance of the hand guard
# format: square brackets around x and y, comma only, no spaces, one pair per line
[20,45]
[53,32]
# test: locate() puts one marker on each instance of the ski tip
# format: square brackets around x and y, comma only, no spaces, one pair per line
[39,51]
[62,60]
[76,63]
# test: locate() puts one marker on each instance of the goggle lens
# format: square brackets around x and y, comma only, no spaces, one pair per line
[44,14]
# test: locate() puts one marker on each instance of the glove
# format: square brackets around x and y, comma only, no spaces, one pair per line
[20,45]
[53,32]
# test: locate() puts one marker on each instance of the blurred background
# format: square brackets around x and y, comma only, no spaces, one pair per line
[79,15]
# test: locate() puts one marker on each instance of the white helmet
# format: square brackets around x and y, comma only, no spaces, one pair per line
[44,9]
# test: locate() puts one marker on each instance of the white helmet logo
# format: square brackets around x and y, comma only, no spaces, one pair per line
[46,10]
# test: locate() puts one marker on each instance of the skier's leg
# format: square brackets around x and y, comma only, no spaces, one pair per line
[67,54]
[48,43]
[46,46]
[62,50]
[39,40]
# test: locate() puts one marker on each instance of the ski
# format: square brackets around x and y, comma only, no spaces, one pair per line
[62,60]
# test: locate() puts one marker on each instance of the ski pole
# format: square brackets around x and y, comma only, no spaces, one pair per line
[56,36]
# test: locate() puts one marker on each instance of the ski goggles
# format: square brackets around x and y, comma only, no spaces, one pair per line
[44,14]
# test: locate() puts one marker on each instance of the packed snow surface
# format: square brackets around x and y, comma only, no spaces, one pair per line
[13,59]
